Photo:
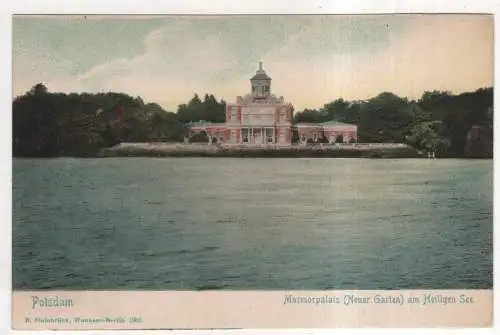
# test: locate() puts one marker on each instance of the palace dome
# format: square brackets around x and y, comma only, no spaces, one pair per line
[260,74]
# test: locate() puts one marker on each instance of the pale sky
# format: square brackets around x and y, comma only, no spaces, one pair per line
[311,59]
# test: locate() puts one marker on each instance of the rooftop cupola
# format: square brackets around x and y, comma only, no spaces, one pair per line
[261,83]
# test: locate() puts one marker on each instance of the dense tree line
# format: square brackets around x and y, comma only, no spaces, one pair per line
[457,125]
[56,124]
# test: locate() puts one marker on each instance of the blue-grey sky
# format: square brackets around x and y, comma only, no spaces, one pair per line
[312,59]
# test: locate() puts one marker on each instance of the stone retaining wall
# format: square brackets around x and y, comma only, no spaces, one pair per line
[372,150]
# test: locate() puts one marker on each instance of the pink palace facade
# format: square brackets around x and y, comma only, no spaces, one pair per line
[262,118]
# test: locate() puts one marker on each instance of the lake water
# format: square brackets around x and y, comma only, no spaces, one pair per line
[217,223]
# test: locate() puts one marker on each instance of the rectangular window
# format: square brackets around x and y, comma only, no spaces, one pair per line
[282,116]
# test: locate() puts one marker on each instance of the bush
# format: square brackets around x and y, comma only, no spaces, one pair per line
[199,138]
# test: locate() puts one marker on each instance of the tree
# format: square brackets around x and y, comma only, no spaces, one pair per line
[353,115]
[309,116]
[209,110]
[200,137]
[336,110]
[419,115]
[38,89]
[385,118]
[46,124]
[56,124]
[427,136]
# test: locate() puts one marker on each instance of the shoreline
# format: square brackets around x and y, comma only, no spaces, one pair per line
[164,149]
[260,151]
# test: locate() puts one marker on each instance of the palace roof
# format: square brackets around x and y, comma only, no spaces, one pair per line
[205,124]
[260,74]
[335,123]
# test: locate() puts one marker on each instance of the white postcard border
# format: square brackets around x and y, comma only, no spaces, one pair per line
[188,7]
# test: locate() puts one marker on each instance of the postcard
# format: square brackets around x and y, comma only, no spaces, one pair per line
[252,171]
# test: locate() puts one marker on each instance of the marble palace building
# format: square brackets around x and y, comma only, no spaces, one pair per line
[261,117]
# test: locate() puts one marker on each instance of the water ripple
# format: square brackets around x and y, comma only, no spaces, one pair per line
[199,225]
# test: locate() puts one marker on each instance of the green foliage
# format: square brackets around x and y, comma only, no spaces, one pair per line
[309,115]
[55,124]
[385,118]
[340,110]
[428,136]
[419,115]
[38,89]
[200,137]
[336,110]
[209,110]
[389,118]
